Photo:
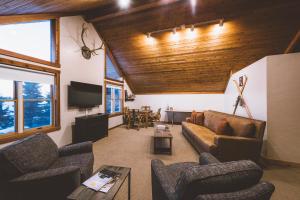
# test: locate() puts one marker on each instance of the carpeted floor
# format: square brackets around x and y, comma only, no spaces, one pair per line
[132,148]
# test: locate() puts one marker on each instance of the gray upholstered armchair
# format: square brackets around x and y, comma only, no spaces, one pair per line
[35,168]
[209,180]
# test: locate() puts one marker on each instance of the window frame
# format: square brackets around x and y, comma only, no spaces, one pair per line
[55,48]
[117,84]
[56,119]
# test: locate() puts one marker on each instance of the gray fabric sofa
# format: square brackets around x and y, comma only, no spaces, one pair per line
[35,168]
[209,180]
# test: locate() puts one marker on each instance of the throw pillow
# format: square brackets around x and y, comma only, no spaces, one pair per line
[199,118]
[193,116]
[221,126]
[245,129]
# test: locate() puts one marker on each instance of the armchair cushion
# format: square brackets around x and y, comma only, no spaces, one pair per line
[217,178]
[23,159]
[83,161]
[84,147]
[261,191]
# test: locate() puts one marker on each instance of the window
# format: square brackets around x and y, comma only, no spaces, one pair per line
[111,70]
[28,101]
[114,99]
[34,41]
[7,107]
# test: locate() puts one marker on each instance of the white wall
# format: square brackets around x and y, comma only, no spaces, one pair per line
[255,92]
[182,102]
[283,108]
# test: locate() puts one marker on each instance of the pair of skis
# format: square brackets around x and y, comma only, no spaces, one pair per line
[240,99]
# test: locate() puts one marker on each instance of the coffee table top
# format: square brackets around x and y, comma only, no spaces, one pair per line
[163,134]
[85,193]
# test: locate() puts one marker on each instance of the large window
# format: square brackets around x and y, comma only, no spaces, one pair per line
[34,41]
[28,101]
[114,99]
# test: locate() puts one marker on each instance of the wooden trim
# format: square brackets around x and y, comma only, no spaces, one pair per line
[115,114]
[17,136]
[27,58]
[27,65]
[268,161]
[113,82]
[55,47]
[293,43]
[132,10]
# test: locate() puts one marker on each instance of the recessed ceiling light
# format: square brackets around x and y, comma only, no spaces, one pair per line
[124,3]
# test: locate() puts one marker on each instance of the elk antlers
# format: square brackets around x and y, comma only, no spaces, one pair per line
[85,50]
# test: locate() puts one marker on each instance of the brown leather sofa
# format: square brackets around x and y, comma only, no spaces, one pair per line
[226,136]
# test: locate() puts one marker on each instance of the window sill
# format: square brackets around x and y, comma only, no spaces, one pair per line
[115,114]
[10,137]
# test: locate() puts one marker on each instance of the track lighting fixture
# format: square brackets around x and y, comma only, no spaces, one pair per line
[174,30]
[192,28]
[221,22]
[149,35]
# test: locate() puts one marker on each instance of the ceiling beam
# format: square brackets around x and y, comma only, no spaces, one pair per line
[293,43]
[132,10]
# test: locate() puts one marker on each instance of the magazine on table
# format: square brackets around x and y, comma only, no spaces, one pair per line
[102,181]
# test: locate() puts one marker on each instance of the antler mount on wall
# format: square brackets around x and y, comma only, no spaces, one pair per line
[85,50]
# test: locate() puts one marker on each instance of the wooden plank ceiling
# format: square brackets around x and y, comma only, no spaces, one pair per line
[201,63]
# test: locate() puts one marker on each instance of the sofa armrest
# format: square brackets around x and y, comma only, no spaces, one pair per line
[47,184]
[84,147]
[162,186]
[188,119]
[261,191]
[207,158]
[237,148]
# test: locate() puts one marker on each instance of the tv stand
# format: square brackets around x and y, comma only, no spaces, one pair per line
[90,128]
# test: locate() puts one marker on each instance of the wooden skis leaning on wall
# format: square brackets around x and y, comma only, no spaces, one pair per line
[240,99]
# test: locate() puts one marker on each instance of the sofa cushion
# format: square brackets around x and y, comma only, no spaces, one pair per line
[31,154]
[243,128]
[84,161]
[199,118]
[193,116]
[201,135]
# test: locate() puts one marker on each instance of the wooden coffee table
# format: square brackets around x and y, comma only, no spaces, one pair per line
[159,139]
[85,193]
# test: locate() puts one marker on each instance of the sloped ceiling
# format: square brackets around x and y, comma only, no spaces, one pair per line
[202,63]
[252,29]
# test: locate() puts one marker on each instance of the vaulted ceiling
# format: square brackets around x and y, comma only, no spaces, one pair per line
[201,62]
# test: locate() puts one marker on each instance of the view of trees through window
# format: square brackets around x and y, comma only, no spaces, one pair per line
[37,104]
[7,107]
[113,99]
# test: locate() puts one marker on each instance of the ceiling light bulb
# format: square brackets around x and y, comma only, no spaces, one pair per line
[182,27]
[174,31]
[192,28]
[221,22]
[149,35]
[124,3]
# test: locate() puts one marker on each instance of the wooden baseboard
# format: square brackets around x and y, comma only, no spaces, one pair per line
[268,161]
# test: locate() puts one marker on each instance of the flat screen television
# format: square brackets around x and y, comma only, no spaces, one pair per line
[84,95]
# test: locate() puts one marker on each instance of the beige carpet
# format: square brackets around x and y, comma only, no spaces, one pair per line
[132,148]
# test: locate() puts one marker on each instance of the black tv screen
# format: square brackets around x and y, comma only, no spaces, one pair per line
[84,95]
